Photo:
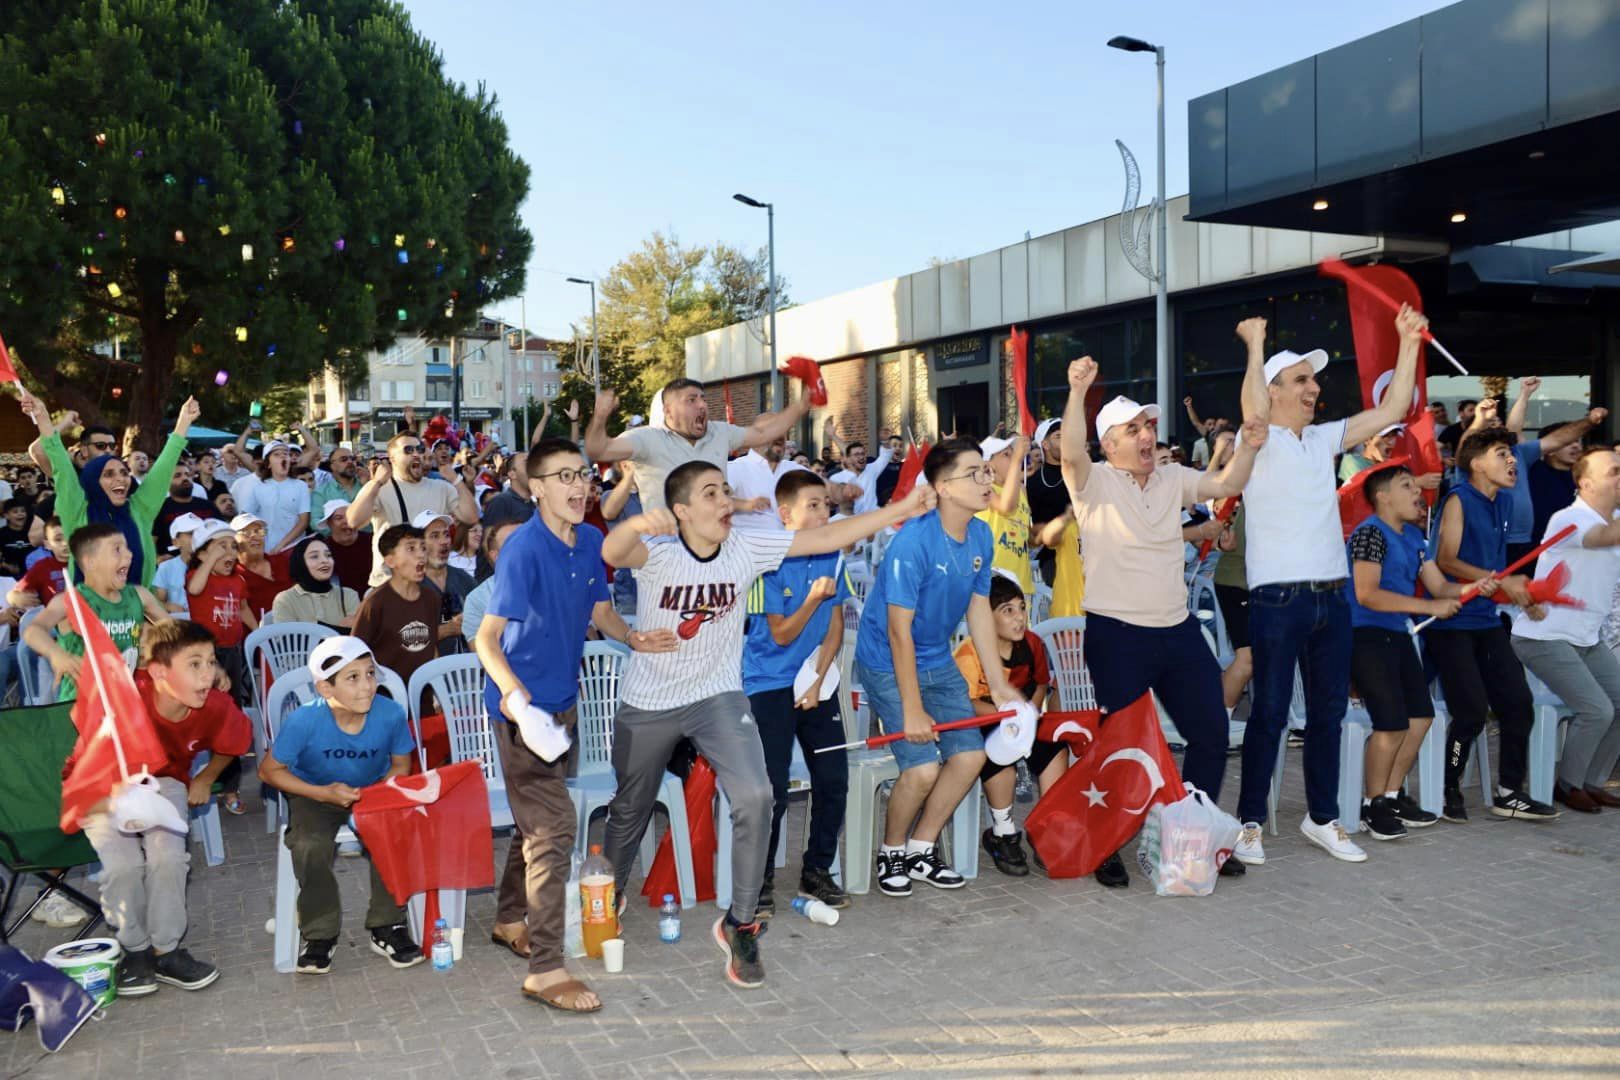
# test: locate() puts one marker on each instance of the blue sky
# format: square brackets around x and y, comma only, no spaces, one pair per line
[884,133]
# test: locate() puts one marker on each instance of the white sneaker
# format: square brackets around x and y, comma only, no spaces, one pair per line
[1332,839]
[59,912]
[1248,851]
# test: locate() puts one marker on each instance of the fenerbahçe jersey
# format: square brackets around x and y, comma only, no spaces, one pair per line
[705,602]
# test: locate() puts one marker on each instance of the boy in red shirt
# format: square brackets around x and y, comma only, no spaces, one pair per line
[219,601]
[143,883]
[47,577]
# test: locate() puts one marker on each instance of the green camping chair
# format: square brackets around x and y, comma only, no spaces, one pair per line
[34,744]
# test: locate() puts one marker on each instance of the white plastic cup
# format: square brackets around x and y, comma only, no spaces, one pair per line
[613,955]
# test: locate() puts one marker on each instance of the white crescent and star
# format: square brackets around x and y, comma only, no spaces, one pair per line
[1070,725]
[1149,766]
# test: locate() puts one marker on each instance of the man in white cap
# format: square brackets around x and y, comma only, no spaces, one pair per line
[1139,634]
[400,489]
[276,497]
[169,580]
[351,548]
[1299,615]
[1008,512]
[1372,452]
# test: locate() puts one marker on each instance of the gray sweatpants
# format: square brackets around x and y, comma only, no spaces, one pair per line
[143,877]
[1587,679]
[725,733]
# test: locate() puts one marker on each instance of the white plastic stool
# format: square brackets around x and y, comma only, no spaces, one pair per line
[1353,733]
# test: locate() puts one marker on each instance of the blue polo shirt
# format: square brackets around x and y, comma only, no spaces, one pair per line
[317,751]
[546,590]
[935,577]
[767,665]
[1522,516]
[1484,544]
[1400,554]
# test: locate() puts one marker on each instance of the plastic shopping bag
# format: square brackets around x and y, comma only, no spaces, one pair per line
[1184,844]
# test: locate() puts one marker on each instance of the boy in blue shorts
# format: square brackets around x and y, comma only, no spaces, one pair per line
[935,572]
[798,610]
[323,755]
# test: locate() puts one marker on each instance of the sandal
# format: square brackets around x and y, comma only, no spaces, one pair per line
[519,947]
[553,996]
[233,805]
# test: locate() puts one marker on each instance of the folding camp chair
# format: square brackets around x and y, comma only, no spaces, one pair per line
[34,744]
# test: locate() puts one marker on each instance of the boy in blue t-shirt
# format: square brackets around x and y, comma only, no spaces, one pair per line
[934,573]
[796,610]
[323,755]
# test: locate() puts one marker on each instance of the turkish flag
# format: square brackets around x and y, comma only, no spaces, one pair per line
[430,831]
[1020,379]
[1077,728]
[910,470]
[1375,294]
[1101,802]
[7,372]
[111,718]
[661,879]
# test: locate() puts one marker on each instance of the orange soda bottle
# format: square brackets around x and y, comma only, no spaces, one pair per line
[599,918]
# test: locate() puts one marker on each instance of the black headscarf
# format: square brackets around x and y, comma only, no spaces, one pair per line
[300,569]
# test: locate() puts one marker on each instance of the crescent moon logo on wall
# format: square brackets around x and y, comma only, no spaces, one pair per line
[1074,726]
[1149,766]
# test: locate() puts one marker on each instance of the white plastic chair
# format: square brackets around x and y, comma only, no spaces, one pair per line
[278,648]
[1065,654]
[458,684]
[33,670]
[594,786]
[204,821]
[1546,737]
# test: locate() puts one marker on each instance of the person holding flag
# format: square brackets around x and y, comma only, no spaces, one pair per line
[1140,637]
[1299,616]
[1008,514]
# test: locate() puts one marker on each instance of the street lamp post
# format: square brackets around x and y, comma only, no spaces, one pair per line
[770,234]
[1161,311]
[596,340]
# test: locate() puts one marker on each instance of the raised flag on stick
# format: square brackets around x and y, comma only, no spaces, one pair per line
[950,725]
[1375,284]
[1517,564]
[1020,379]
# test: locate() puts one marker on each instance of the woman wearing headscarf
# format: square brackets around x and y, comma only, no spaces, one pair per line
[102,490]
[316,596]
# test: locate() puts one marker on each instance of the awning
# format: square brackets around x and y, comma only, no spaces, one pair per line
[1499,264]
[1606,263]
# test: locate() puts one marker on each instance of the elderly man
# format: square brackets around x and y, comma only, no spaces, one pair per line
[399,490]
[1299,615]
[686,435]
[1139,634]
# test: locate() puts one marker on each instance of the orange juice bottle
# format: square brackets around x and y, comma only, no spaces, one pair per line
[598,914]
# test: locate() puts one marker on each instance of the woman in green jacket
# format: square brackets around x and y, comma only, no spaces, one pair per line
[133,512]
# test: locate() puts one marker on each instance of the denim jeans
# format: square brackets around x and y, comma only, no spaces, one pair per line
[944,697]
[1296,625]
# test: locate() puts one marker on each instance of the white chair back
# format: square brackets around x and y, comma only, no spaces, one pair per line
[33,670]
[389,682]
[846,690]
[1065,652]
[959,635]
[458,684]
[283,647]
[600,670]
[291,690]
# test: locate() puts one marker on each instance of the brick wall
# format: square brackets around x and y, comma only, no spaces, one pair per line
[924,411]
[849,402]
[891,396]
[745,400]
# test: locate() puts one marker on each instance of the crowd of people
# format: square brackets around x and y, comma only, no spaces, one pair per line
[724,558]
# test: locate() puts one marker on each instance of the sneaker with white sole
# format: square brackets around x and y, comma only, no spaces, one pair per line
[1332,839]
[1248,849]
[930,866]
[892,879]
[59,912]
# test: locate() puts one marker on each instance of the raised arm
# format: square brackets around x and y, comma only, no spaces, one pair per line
[768,427]
[1572,432]
[1006,500]
[624,546]
[1255,396]
[1521,405]
[1076,456]
[598,447]
[1192,414]
[619,497]
[1397,400]
[1232,479]
[310,456]
[365,500]
[837,535]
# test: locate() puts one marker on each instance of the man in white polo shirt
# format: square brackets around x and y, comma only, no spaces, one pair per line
[1139,634]
[1299,616]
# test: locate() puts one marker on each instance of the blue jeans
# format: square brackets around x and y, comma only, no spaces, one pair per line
[1295,625]
[944,697]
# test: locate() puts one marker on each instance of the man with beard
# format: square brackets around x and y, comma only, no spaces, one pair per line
[687,435]
[182,500]
[452,584]
[343,483]
[1299,615]
[1048,494]
[858,472]
[753,480]
[399,489]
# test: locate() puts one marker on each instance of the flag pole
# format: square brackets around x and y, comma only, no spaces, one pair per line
[1528,557]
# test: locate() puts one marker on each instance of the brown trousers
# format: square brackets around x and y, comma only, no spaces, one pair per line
[534,885]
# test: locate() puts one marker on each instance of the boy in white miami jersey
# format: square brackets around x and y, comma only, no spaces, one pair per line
[694,580]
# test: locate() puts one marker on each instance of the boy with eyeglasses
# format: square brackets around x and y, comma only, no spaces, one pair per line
[399,489]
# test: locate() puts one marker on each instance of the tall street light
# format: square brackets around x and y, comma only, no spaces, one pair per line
[596,340]
[1161,330]
[770,227]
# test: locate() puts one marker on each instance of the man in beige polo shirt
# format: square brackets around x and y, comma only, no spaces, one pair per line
[1139,634]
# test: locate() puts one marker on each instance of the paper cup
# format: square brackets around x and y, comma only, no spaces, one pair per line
[613,955]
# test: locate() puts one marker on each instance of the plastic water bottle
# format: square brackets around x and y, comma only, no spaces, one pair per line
[815,911]
[573,929]
[669,920]
[444,956]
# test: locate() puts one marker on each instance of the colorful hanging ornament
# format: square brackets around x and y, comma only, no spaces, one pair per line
[402,315]
[403,256]
[340,243]
[247,252]
[179,236]
[221,377]
[101,138]
[241,333]
[288,243]
[120,212]
[399,239]
[168,178]
[270,350]
[58,196]
[224,230]
[113,290]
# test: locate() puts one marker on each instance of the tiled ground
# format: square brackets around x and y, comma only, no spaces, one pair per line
[1486,949]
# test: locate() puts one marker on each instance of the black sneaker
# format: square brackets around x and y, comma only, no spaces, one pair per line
[180,968]
[1516,804]
[395,943]
[891,873]
[1112,873]
[930,866]
[1296,737]
[1232,867]
[765,906]
[137,974]
[1411,814]
[1379,815]
[1007,853]
[316,959]
[819,885]
[1453,809]
[740,943]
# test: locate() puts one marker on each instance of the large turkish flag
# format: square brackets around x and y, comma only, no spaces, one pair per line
[1101,802]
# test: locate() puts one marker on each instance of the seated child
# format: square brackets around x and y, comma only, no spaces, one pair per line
[143,877]
[323,755]
[1023,658]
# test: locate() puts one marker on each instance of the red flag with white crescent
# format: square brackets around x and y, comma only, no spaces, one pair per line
[910,470]
[1101,802]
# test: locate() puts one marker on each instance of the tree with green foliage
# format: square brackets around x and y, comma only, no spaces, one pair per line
[263,188]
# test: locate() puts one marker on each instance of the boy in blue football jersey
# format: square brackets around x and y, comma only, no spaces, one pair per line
[797,610]
[934,573]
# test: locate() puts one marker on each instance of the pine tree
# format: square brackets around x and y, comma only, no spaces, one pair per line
[256,187]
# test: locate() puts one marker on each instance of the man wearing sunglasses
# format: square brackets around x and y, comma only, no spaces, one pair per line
[399,489]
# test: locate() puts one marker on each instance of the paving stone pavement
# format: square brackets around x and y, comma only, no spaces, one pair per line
[1480,950]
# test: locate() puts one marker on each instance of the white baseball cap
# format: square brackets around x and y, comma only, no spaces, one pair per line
[333,506]
[1045,428]
[245,520]
[428,517]
[992,446]
[183,524]
[1286,359]
[1122,410]
[334,654]
[206,531]
[1391,430]
[275,445]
